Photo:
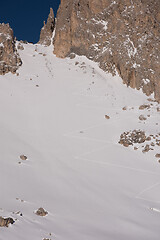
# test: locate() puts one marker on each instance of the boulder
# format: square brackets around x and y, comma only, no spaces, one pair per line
[4,222]
[41,212]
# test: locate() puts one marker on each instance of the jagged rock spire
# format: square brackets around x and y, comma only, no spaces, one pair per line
[47,29]
[9,58]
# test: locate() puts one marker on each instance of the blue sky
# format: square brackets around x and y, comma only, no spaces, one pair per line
[26,16]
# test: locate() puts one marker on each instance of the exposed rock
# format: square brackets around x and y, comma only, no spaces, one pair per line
[9,58]
[157,142]
[120,35]
[142,118]
[151,100]
[41,212]
[135,136]
[24,41]
[107,117]
[47,30]
[146,149]
[148,138]
[72,56]
[144,106]
[23,157]
[158,109]
[20,46]
[4,222]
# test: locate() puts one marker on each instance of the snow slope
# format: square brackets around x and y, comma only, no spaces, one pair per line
[92,187]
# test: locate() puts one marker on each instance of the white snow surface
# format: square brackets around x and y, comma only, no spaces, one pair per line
[92,187]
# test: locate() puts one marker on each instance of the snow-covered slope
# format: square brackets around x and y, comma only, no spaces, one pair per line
[92,187]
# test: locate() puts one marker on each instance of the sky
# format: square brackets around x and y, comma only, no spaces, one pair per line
[26,17]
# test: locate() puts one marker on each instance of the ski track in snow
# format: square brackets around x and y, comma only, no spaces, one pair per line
[47,64]
[82,134]
[81,156]
[138,196]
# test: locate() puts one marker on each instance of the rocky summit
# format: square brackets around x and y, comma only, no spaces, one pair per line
[47,30]
[121,36]
[9,58]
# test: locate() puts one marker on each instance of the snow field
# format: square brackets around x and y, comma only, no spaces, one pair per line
[92,187]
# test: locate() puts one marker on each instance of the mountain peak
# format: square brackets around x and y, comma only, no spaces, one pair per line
[47,29]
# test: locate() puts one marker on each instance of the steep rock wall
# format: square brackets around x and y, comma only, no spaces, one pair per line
[9,58]
[120,35]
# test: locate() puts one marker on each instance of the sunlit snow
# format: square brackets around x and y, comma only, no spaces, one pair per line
[92,187]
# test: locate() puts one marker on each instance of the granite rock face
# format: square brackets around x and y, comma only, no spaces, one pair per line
[9,58]
[47,30]
[123,36]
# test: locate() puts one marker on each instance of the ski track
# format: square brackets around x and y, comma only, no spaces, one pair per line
[81,156]
[47,63]
[146,190]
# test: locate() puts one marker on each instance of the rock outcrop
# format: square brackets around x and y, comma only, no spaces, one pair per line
[41,212]
[9,58]
[131,137]
[47,30]
[122,36]
[4,222]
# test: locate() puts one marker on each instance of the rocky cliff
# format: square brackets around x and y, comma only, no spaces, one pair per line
[121,36]
[9,58]
[47,30]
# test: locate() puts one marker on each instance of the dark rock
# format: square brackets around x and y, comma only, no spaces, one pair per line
[41,212]
[9,58]
[129,138]
[47,30]
[107,117]
[146,149]
[23,157]
[148,138]
[72,55]
[144,106]
[4,222]
[20,47]
[142,118]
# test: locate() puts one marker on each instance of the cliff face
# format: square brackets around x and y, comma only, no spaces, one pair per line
[9,58]
[120,35]
[47,30]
